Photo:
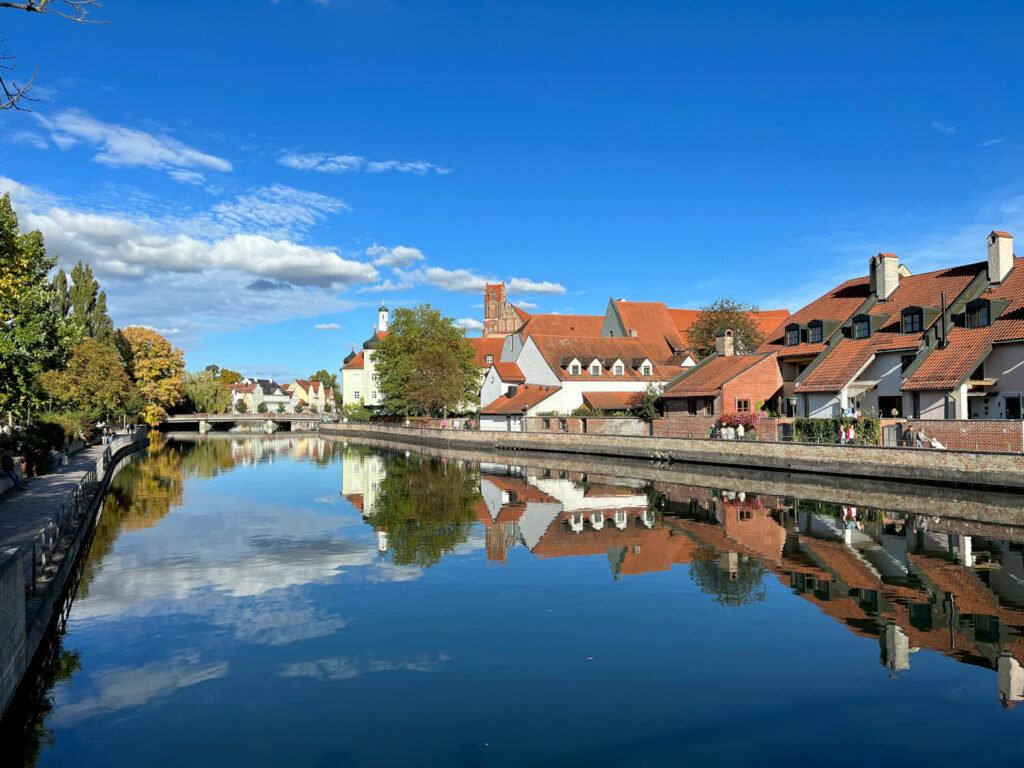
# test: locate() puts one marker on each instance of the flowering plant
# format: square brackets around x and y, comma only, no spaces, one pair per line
[749,420]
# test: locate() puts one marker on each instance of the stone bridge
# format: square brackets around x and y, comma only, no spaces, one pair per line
[270,422]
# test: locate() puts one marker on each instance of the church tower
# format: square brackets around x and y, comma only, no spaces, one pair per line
[495,302]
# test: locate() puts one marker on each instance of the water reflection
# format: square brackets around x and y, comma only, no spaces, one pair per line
[264,573]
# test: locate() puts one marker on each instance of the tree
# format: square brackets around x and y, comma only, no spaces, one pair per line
[425,364]
[72,10]
[207,393]
[31,333]
[94,380]
[647,403]
[312,408]
[229,377]
[241,407]
[156,368]
[330,381]
[82,304]
[262,408]
[719,315]
[280,407]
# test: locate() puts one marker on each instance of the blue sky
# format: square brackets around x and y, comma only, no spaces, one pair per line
[240,173]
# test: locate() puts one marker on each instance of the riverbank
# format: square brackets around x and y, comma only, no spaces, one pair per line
[42,531]
[980,469]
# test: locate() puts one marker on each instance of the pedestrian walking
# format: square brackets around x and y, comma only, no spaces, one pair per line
[739,431]
[7,467]
[842,435]
[851,435]
[920,438]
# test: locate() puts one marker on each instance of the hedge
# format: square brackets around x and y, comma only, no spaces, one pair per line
[866,431]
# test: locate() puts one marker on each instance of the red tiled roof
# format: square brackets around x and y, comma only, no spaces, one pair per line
[526,397]
[612,401]
[486,346]
[766,320]
[509,373]
[243,388]
[849,356]
[947,368]
[356,363]
[558,352]
[563,325]
[707,379]
[654,327]
[523,314]
[837,305]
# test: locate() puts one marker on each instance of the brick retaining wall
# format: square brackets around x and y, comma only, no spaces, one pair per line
[973,435]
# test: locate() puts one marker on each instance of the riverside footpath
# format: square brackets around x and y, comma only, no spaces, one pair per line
[42,530]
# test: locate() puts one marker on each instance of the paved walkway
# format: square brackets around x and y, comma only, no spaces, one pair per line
[24,514]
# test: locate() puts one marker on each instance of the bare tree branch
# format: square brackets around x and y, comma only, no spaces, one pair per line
[72,10]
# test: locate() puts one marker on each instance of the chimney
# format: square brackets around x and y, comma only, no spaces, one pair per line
[725,344]
[1000,256]
[382,319]
[512,391]
[885,275]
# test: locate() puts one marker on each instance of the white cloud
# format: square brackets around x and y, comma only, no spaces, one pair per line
[327,327]
[187,177]
[387,285]
[399,256]
[27,137]
[342,668]
[525,304]
[467,281]
[524,285]
[120,146]
[991,142]
[277,209]
[470,324]
[324,162]
[943,128]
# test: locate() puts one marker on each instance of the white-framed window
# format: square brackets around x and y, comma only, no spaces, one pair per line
[618,369]
[355,395]
[373,377]
[489,359]
[595,368]
[574,369]
[373,396]
[645,370]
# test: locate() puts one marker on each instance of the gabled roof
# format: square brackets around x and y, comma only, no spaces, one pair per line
[949,367]
[486,346]
[837,305]
[242,388]
[558,352]
[612,401]
[707,379]
[563,325]
[509,373]
[526,397]
[523,314]
[849,356]
[654,327]
[355,364]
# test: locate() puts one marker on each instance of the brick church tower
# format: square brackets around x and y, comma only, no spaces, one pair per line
[500,319]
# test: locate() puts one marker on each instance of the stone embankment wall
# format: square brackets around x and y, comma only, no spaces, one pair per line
[922,466]
[972,435]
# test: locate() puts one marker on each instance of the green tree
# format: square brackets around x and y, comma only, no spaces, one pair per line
[426,508]
[206,392]
[329,380]
[31,333]
[241,407]
[312,408]
[647,403]
[425,364]
[82,304]
[262,408]
[719,315]
[729,583]
[280,408]
[94,380]
[157,370]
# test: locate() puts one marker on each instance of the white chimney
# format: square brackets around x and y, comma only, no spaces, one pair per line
[1000,256]
[725,344]
[885,274]
[382,319]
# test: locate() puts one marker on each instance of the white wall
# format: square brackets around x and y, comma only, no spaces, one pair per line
[1005,363]
[534,367]
[822,406]
[570,396]
[885,369]
[492,388]
[492,423]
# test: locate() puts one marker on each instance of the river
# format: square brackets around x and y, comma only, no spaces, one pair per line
[294,601]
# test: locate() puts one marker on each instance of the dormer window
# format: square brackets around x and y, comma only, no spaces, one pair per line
[645,369]
[595,368]
[913,320]
[574,369]
[489,359]
[792,336]
[979,314]
[618,369]
[861,328]
[815,333]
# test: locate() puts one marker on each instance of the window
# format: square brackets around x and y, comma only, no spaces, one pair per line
[595,369]
[978,316]
[815,334]
[861,328]
[691,407]
[709,407]
[912,322]
[574,369]
[489,359]
[618,369]
[646,369]
[792,337]
[905,362]
[355,395]
[373,377]
[373,395]
[743,406]
[1013,409]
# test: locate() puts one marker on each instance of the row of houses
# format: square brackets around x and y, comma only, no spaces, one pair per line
[298,396]
[944,344]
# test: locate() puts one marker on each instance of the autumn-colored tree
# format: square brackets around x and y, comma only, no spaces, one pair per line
[31,338]
[425,363]
[94,380]
[157,369]
[720,315]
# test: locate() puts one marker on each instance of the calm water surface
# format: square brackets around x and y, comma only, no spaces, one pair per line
[297,602]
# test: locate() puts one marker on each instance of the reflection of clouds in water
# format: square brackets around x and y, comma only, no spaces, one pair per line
[327,499]
[384,571]
[342,668]
[475,542]
[273,619]
[123,687]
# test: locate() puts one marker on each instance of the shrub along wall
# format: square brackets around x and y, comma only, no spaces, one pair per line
[866,431]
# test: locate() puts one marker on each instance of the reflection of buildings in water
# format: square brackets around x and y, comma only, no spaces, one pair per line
[362,473]
[908,585]
[565,514]
[265,449]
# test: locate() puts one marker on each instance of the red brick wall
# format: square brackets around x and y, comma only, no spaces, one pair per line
[678,423]
[595,426]
[759,383]
[973,435]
